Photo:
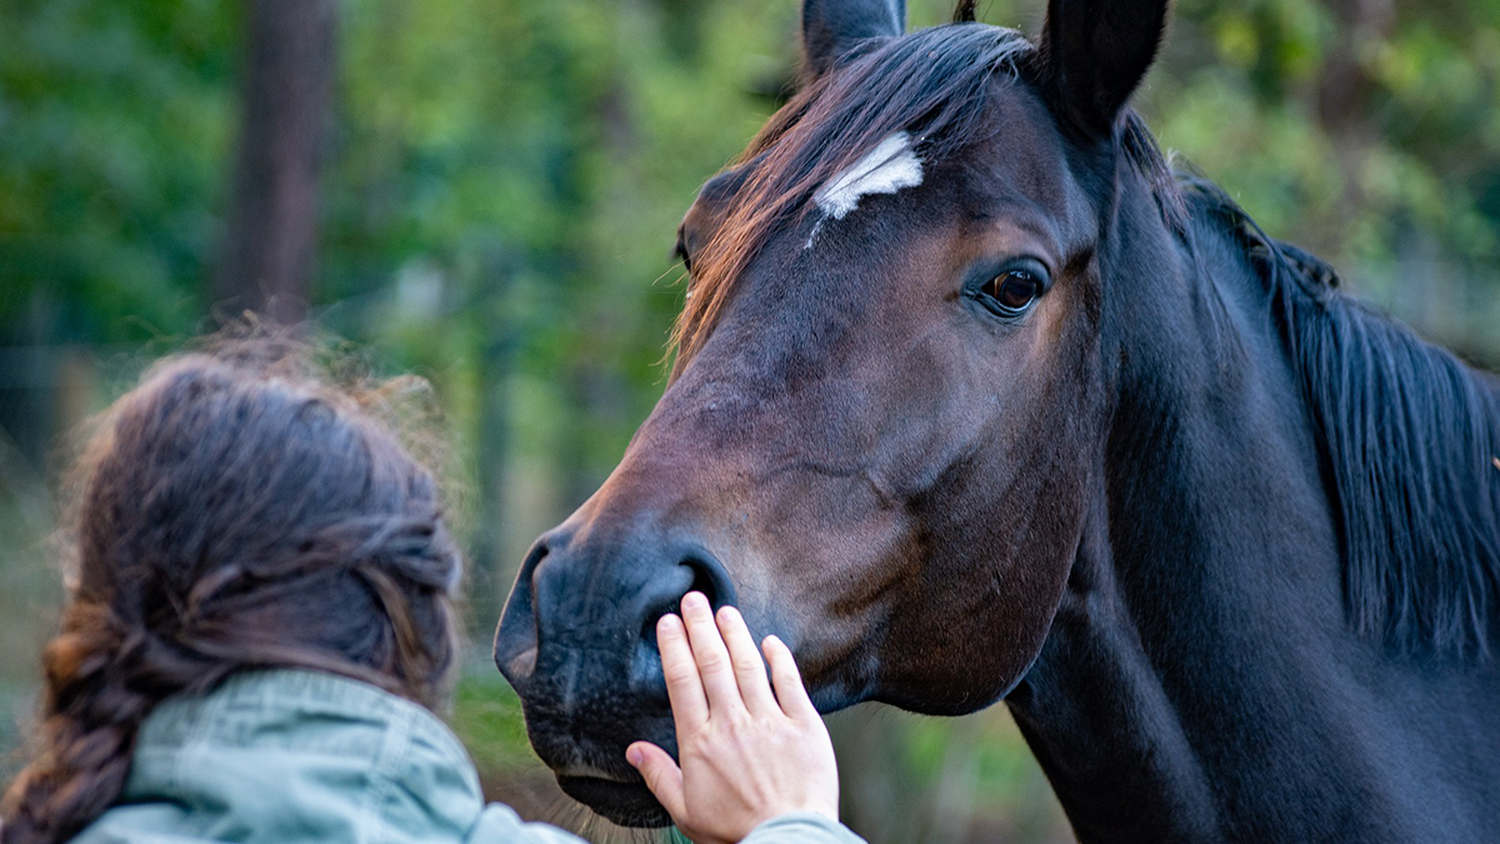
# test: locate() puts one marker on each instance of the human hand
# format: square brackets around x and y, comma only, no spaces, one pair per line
[746,756]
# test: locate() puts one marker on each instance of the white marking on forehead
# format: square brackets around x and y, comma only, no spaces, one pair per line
[888,168]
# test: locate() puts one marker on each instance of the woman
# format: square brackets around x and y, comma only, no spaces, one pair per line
[261,617]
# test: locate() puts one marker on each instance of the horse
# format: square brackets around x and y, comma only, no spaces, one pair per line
[976,400]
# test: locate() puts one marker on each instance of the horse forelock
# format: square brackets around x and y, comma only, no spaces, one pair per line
[932,84]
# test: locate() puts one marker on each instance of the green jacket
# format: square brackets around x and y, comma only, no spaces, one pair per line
[297,757]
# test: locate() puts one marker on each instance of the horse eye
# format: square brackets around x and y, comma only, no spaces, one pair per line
[1014,290]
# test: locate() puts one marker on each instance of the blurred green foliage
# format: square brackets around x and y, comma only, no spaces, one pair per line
[500,195]
[487,713]
[505,177]
[114,119]
[1352,130]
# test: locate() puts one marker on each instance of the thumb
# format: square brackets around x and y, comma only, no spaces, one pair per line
[661,774]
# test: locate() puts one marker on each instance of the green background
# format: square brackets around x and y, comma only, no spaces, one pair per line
[500,191]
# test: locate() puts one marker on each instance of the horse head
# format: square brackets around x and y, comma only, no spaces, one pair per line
[883,430]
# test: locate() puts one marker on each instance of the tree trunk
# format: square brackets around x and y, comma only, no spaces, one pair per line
[270,243]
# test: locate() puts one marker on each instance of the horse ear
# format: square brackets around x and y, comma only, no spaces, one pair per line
[831,28]
[1094,53]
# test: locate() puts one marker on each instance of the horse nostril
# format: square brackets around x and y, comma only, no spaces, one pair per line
[710,578]
[670,602]
[695,572]
[518,635]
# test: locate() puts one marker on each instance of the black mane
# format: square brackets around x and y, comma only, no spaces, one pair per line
[1409,435]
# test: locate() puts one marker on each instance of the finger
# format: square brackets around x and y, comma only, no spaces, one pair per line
[661,774]
[714,669]
[684,687]
[749,668]
[788,680]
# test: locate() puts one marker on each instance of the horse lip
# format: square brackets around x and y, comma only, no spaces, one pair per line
[584,770]
[621,802]
[619,794]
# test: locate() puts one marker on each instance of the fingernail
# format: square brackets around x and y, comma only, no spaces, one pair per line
[634,756]
[694,600]
[668,622]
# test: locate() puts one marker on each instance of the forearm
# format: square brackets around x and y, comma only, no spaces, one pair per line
[802,828]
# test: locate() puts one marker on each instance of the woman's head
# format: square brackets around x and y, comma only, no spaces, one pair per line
[234,513]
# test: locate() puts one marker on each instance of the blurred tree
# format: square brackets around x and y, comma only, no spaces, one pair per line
[1364,130]
[113,127]
[113,123]
[270,243]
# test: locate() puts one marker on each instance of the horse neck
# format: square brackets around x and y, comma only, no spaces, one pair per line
[1184,692]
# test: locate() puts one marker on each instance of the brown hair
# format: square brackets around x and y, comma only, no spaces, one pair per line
[234,513]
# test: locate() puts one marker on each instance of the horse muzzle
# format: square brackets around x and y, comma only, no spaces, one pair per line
[577,641]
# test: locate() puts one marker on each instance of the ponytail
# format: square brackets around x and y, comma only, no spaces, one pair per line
[100,687]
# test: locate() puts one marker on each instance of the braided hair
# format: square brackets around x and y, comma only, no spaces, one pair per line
[234,514]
